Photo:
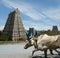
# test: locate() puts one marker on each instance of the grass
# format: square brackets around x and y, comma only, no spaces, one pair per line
[10,42]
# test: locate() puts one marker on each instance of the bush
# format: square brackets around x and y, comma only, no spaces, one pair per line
[4,37]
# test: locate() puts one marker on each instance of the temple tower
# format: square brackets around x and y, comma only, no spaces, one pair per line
[55,28]
[14,26]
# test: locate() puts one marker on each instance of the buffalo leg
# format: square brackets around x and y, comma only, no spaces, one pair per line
[34,51]
[45,52]
[51,51]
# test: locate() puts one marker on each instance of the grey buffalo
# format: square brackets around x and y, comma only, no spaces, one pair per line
[43,43]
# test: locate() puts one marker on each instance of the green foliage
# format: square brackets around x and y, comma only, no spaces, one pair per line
[50,32]
[4,37]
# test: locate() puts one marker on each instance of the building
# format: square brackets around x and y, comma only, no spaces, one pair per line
[54,31]
[14,26]
[55,28]
[0,32]
[32,32]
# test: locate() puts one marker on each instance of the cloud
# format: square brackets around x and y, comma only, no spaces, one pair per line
[53,13]
[37,26]
[25,8]
[49,16]
[1,27]
[29,10]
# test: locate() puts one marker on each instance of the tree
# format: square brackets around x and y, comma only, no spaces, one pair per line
[4,37]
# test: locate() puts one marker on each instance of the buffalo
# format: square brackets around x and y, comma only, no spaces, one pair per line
[43,43]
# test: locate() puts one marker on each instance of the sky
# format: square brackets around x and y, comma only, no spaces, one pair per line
[40,14]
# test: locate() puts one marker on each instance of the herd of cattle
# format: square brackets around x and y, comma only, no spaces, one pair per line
[43,43]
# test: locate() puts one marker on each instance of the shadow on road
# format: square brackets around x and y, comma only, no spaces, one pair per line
[49,56]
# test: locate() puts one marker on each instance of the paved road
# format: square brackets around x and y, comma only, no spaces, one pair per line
[18,51]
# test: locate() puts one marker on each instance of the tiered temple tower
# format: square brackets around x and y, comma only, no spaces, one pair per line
[14,27]
[55,28]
